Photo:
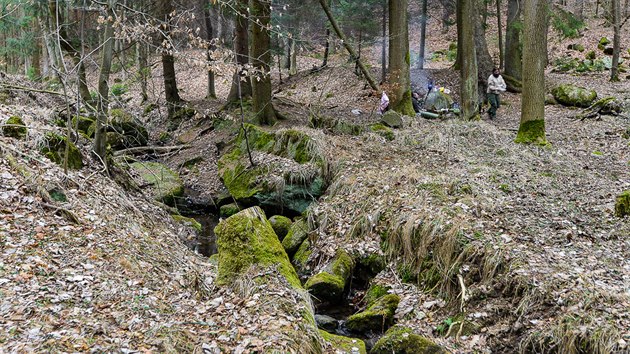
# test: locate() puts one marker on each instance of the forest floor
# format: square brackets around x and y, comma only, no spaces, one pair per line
[544,260]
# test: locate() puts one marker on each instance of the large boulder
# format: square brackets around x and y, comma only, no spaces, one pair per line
[281,225]
[622,204]
[14,127]
[296,235]
[53,146]
[131,129]
[329,284]
[377,318]
[437,101]
[166,186]
[402,340]
[392,119]
[288,171]
[574,96]
[247,238]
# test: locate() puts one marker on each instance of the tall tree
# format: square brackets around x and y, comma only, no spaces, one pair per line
[103,86]
[532,127]
[513,63]
[241,38]
[207,15]
[260,53]
[616,11]
[399,80]
[484,59]
[500,30]
[384,43]
[423,34]
[173,101]
[468,73]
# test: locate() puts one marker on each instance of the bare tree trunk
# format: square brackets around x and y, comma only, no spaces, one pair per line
[293,59]
[459,15]
[326,48]
[260,12]
[484,60]
[513,64]
[173,100]
[144,71]
[37,54]
[500,27]
[616,11]
[207,11]
[384,44]
[103,86]
[241,38]
[400,96]
[423,34]
[468,73]
[346,44]
[532,127]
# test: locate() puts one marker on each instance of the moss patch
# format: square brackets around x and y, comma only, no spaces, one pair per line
[296,235]
[281,225]
[247,238]
[532,132]
[401,340]
[331,282]
[383,131]
[83,124]
[54,148]
[229,209]
[378,317]
[17,131]
[375,292]
[301,257]
[166,184]
[188,222]
[343,345]
[622,204]
[574,96]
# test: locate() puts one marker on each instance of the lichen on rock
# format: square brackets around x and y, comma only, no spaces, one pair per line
[402,340]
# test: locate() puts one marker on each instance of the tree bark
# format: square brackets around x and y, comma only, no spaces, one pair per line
[423,34]
[616,11]
[207,11]
[513,63]
[384,44]
[260,12]
[103,86]
[173,100]
[144,71]
[241,39]
[326,48]
[500,27]
[468,73]
[293,59]
[484,60]
[459,15]
[532,127]
[400,95]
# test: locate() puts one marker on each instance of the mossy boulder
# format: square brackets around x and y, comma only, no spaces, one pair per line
[166,186]
[134,133]
[343,345]
[329,284]
[289,178]
[603,42]
[301,257]
[14,127]
[375,292]
[574,96]
[281,225]
[437,101]
[383,131]
[622,204]
[190,222]
[369,266]
[298,232]
[402,340]
[228,210]
[377,318]
[245,239]
[83,125]
[53,146]
[576,46]
[590,55]
[326,323]
[392,119]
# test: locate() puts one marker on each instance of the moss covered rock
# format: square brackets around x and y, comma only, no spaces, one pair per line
[343,345]
[375,292]
[329,284]
[134,133]
[437,101]
[378,317]
[165,183]
[574,96]
[247,238]
[14,127]
[281,225]
[53,146]
[298,232]
[401,340]
[83,125]
[290,178]
[392,119]
[622,204]
[190,222]
[383,131]
[301,257]
[228,210]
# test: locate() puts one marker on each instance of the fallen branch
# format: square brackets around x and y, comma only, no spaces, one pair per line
[150,149]
[32,89]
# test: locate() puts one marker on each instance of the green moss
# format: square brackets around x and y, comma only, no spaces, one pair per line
[342,264]
[229,209]
[383,131]
[18,131]
[343,345]
[54,148]
[166,184]
[188,222]
[120,115]
[372,264]
[281,225]
[326,286]
[375,292]
[298,232]
[622,204]
[301,257]
[574,96]
[404,106]
[149,108]
[590,55]
[83,124]
[378,317]
[532,132]
[247,238]
[402,340]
